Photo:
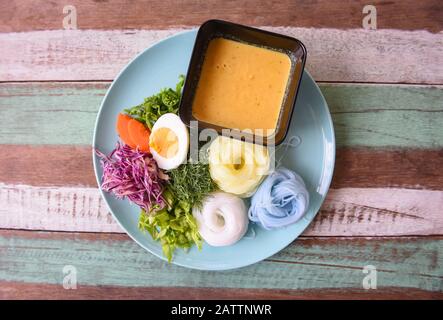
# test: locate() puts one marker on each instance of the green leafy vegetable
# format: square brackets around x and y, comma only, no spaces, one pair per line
[174,226]
[191,182]
[166,101]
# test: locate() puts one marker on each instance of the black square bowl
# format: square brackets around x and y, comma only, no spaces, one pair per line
[217,28]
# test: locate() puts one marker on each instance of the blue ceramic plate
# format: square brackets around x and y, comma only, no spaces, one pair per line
[313,157]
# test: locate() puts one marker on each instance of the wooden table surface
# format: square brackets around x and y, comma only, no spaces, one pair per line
[385,206]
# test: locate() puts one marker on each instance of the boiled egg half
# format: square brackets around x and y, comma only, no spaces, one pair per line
[169,141]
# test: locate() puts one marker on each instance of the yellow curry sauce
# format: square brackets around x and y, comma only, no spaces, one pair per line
[241,86]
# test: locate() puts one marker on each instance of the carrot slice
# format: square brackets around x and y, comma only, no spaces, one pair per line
[122,129]
[139,134]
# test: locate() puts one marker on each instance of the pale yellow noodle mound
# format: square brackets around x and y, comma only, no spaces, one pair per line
[237,167]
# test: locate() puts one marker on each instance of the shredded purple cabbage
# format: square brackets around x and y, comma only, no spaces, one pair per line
[135,175]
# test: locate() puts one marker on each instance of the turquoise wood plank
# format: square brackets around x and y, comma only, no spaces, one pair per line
[307,264]
[386,115]
[49,113]
[364,115]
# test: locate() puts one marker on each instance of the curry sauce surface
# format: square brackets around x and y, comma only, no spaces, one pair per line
[241,86]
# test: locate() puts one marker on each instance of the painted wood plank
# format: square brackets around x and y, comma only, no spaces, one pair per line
[364,115]
[145,14]
[50,113]
[54,208]
[379,211]
[397,168]
[39,165]
[353,55]
[33,291]
[374,114]
[43,165]
[346,212]
[323,263]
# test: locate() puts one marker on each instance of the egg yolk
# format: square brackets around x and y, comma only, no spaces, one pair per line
[165,142]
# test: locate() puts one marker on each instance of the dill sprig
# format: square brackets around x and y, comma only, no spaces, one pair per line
[191,182]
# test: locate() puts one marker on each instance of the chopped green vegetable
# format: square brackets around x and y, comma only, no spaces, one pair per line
[167,101]
[191,182]
[174,226]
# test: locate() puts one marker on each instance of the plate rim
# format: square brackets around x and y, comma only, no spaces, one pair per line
[102,194]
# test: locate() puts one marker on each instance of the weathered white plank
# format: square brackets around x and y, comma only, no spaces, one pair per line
[378,212]
[346,212]
[333,55]
[54,208]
